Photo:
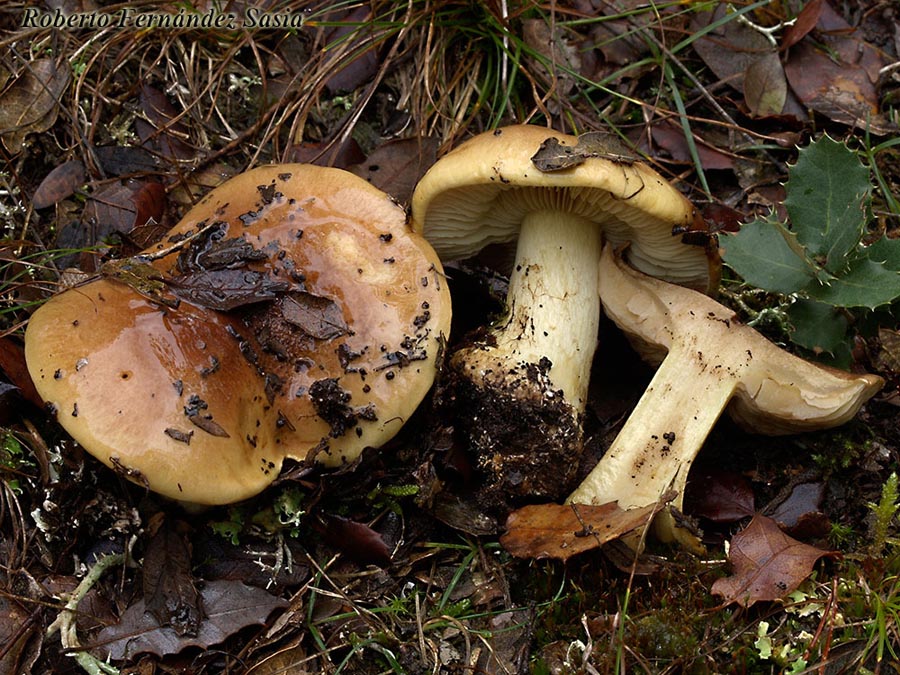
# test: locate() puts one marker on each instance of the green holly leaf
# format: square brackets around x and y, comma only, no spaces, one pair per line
[768,256]
[885,251]
[827,192]
[816,326]
[865,283]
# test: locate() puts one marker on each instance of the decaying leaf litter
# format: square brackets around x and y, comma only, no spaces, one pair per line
[388,565]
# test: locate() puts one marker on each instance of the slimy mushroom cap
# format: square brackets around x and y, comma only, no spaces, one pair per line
[334,340]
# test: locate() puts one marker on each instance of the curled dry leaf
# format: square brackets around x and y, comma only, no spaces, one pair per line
[554,156]
[563,530]
[29,104]
[766,564]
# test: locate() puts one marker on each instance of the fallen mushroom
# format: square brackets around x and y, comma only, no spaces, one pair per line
[708,361]
[291,313]
[522,386]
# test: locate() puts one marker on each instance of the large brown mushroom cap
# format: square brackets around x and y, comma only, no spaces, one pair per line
[478,194]
[203,404]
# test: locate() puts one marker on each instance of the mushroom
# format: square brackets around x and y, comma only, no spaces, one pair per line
[291,313]
[521,387]
[707,361]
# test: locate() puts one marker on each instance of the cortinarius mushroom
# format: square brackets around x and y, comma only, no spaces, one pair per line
[291,313]
[707,359]
[522,386]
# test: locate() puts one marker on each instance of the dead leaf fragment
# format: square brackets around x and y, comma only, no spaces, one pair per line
[397,165]
[230,607]
[59,184]
[163,132]
[720,496]
[317,316]
[805,22]
[766,564]
[563,530]
[765,86]
[840,79]
[169,591]
[120,206]
[227,289]
[29,104]
[554,156]
[358,541]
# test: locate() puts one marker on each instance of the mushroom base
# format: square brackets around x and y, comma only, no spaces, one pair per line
[525,438]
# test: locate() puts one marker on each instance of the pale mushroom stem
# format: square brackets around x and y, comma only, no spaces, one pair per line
[710,360]
[653,452]
[554,301]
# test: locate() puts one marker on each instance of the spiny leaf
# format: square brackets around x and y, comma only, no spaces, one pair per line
[766,255]
[817,326]
[865,283]
[827,190]
[885,251]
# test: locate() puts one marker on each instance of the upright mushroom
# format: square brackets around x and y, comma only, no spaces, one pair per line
[708,361]
[291,313]
[522,386]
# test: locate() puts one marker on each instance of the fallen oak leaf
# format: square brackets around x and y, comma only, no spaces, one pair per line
[563,530]
[766,564]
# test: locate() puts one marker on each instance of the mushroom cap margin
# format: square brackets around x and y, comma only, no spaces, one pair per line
[476,194]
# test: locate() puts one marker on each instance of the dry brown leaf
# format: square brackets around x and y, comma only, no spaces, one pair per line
[563,530]
[766,564]
[59,184]
[396,166]
[20,638]
[805,22]
[671,138]
[12,364]
[317,316]
[31,101]
[169,591]
[121,206]
[840,79]
[230,607]
[765,86]
[163,132]
[888,356]
[719,496]
[358,541]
